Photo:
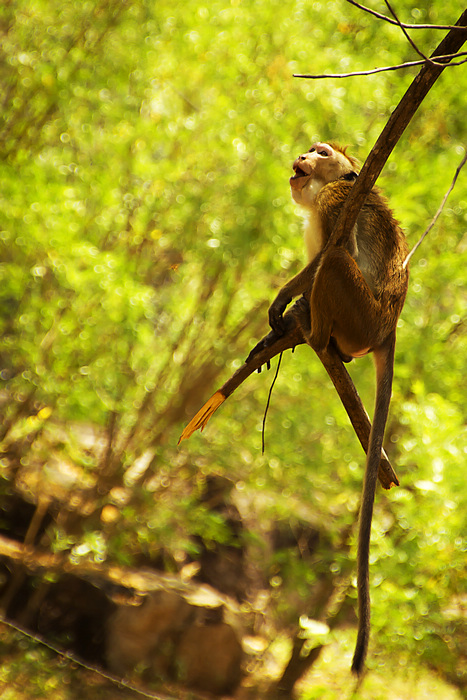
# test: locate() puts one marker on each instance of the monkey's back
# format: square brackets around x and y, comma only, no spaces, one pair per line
[377,243]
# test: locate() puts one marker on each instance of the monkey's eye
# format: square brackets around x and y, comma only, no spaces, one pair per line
[312,150]
[323,153]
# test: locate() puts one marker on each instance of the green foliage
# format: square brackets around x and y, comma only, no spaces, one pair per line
[29,671]
[145,222]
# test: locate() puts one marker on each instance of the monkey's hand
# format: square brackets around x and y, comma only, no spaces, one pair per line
[276,311]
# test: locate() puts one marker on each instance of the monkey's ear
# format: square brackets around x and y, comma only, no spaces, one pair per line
[350,176]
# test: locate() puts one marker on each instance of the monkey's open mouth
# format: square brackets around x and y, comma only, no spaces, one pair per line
[298,173]
[299,178]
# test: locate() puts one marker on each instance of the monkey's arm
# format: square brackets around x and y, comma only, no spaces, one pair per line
[270,346]
[302,282]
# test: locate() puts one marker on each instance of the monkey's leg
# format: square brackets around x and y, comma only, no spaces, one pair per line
[342,305]
[301,312]
[341,379]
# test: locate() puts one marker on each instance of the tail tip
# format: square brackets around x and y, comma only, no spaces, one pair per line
[357,667]
[361,648]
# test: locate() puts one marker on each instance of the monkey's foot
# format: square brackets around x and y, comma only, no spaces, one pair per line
[290,337]
[268,340]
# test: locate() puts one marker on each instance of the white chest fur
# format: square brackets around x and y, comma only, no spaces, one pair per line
[313,234]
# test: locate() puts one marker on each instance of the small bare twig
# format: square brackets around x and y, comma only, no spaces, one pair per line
[403,24]
[408,64]
[440,209]
[263,431]
[441,60]
[393,130]
[406,34]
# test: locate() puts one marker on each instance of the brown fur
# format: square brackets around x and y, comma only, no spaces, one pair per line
[359,291]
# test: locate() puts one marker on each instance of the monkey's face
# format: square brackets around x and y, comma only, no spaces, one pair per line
[322,164]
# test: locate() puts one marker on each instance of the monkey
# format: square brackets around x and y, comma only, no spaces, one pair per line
[352,296]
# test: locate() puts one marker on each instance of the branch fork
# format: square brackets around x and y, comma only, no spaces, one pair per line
[272,345]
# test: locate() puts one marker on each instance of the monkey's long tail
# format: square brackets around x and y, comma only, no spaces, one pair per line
[384,360]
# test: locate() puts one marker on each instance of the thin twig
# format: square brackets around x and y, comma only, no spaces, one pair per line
[406,34]
[436,216]
[409,64]
[268,402]
[393,130]
[403,24]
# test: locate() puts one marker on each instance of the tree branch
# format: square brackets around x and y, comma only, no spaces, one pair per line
[392,132]
[373,71]
[269,347]
[440,209]
[405,32]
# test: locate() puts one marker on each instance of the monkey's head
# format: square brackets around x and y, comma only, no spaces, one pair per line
[323,163]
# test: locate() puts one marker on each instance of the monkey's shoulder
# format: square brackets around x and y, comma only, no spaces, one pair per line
[332,196]
[333,193]
[337,191]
